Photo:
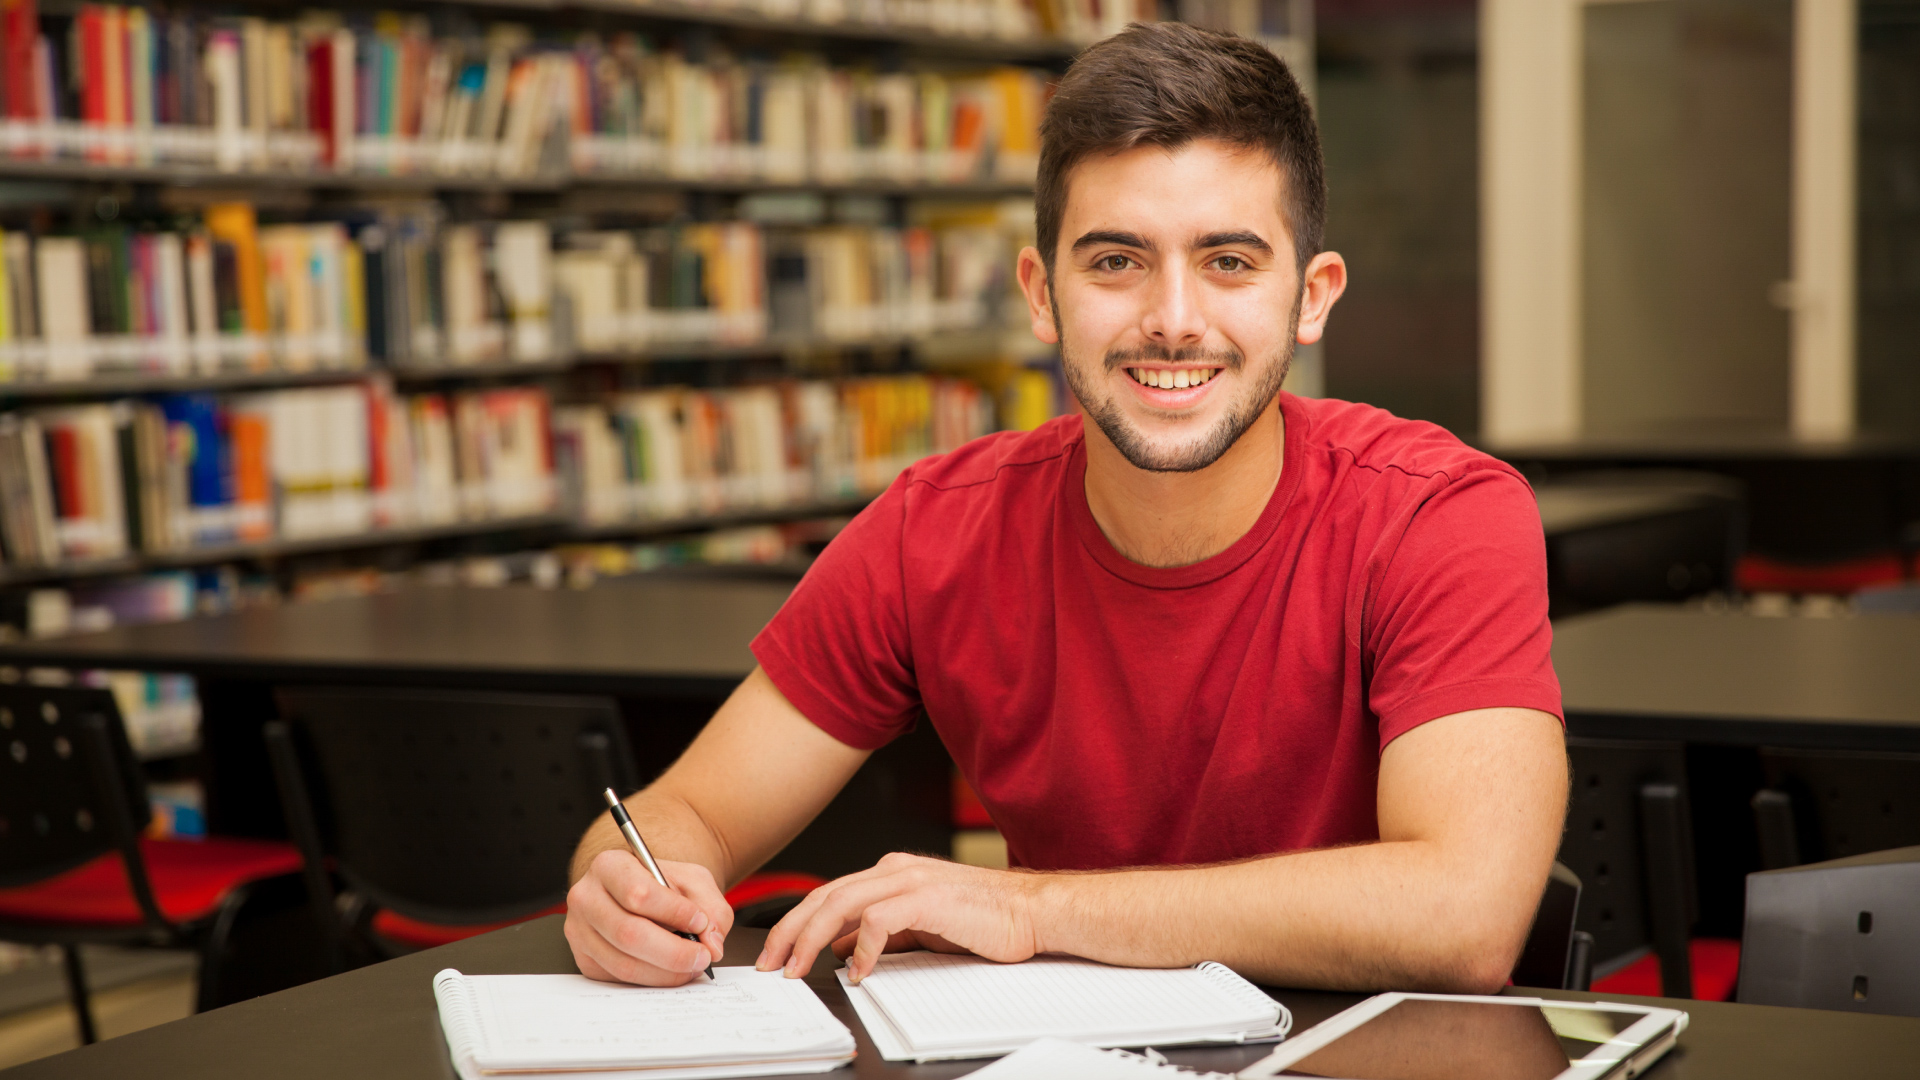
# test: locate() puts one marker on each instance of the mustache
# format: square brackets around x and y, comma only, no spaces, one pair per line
[1231,359]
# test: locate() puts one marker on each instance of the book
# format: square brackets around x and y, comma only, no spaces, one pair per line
[922,1006]
[741,1023]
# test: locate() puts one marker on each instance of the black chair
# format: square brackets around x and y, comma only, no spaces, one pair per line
[1630,839]
[74,868]
[1843,934]
[444,813]
[1822,804]
[1557,956]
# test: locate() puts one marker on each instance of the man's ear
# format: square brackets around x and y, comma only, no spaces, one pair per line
[1032,272]
[1320,285]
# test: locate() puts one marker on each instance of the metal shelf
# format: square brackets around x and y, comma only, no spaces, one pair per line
[112,385]
[960,46]
[322,180]
[700,522]
[543,529]
[771,346]
[116,384]
[273,549]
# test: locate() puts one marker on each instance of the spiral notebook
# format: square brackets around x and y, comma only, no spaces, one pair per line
[741,1023]
[921,1006]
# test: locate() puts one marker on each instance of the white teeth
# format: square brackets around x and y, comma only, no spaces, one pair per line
[1172,380]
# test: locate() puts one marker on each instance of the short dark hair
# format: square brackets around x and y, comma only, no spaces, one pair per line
[1168,84]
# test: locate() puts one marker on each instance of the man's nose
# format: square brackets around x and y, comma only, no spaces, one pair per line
[1174,317]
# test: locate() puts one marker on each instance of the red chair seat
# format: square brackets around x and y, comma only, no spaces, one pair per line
[190,879]
[1716,971]
[416,934]
[766,886]
[425,935]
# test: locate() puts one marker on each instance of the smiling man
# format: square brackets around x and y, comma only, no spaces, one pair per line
[1241,676]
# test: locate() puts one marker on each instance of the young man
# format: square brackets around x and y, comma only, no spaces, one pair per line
[1241,676]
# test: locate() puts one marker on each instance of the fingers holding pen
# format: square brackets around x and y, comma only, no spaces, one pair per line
[609,941]
[696,883]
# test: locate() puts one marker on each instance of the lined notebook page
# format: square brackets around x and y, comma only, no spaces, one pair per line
[528,1022]
[939,1001]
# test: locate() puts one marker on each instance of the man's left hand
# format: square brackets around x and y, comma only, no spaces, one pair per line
[908,902]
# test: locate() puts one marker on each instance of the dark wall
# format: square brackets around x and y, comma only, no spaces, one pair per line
[1398,101]
[1889,254]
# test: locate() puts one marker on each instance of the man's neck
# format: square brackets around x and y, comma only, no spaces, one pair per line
[1177,519]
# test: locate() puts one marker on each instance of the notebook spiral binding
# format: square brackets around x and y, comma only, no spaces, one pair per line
[1222,976]
[459,1017]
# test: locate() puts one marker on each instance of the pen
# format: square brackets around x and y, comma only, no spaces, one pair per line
[639,849]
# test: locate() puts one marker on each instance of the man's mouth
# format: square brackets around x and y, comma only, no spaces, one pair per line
[1172,378]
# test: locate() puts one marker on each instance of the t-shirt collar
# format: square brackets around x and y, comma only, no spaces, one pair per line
[1073,494]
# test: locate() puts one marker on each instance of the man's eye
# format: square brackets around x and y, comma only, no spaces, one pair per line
[1115,262]
[1230,263]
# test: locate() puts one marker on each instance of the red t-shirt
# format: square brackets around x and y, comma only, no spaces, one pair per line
[1112,714]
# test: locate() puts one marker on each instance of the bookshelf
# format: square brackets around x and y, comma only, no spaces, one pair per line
[453,268]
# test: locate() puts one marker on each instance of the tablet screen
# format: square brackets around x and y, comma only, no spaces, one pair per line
[1465,1040]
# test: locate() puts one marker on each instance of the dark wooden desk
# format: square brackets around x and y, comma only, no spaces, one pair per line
[1645,671]
[669,648]
[654,635]
[1616,538]
[380,1022]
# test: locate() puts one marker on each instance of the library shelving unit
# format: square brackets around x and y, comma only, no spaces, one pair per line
[524,250]
[157,166]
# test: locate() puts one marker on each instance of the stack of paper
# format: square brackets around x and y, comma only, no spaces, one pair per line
[742,1023]
[923,1006]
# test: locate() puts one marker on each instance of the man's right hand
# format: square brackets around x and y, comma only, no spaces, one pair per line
[620,922]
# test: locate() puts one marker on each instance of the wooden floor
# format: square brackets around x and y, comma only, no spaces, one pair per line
[37,1033]
[132,989]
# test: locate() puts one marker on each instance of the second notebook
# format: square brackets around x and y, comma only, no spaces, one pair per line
[922,1006]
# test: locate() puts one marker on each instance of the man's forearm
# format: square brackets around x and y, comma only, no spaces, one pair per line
[674,832]
[1470,810]
[1405,915]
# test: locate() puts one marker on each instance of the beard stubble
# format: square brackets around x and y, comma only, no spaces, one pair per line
[1239,416]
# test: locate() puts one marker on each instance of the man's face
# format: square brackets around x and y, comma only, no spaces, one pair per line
[1175,298]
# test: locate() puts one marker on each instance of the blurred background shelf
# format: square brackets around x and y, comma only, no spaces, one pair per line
[191,176]
[274,549]
[639,527]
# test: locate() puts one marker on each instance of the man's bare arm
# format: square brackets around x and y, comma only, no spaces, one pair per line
[756,775]
[1470,812]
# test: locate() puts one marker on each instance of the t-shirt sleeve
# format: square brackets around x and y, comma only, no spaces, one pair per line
[1457,619]
[838,647]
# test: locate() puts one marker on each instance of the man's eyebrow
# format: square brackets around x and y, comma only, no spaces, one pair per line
[1234,239]
[1108,236]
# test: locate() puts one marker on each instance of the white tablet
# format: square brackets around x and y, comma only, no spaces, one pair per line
[1450,1037]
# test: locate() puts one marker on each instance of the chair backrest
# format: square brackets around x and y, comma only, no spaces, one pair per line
[57,809]
[1545,961]
[1825,804]
[1629,839]
[1843,934]
[450,807]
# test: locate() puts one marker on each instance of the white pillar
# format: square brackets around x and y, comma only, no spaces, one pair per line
[1825,223]
[1530,123]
